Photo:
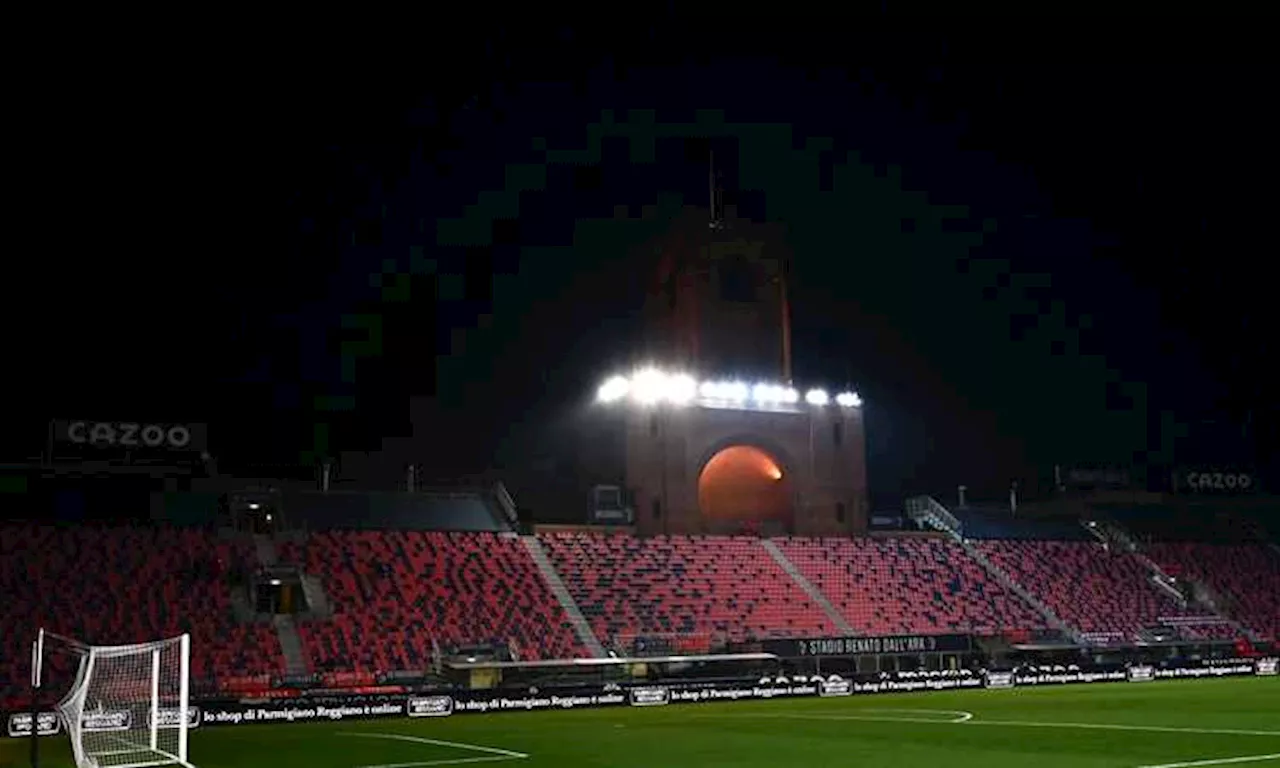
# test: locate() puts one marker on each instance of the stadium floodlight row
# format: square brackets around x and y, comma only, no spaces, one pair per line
[651,386]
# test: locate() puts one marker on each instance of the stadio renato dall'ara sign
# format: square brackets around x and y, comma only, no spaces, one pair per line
[862,646]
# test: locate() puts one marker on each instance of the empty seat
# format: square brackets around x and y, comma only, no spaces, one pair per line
[1244,579]
[910,585]
[1098,591]
[702,587]
[398,596]
[116,585]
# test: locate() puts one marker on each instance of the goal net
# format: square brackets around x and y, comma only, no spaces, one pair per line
[128,705]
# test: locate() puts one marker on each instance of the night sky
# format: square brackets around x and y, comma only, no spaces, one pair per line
[1022,244]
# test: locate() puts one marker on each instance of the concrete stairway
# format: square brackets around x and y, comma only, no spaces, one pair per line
[1186,592]
[317,599]
[266,550]
[295,658]
[241,604]
[1204,596]
[929,511]
[580,624]
[814,594]
[1007,581]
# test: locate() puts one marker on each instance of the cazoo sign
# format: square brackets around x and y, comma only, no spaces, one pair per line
[129,435]
[1219,482]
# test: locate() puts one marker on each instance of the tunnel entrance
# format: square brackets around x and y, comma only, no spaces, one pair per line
[743,485]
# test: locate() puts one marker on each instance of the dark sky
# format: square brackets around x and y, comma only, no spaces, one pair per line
[1021,245]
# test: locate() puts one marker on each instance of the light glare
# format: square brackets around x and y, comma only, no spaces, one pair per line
[614,389]
[848,400]
[681,389]
[650,386]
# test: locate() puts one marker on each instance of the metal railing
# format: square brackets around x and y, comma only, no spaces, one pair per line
[928,510]
[505,501]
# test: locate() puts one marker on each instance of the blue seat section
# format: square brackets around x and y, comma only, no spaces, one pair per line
[1000,523]
[467,512]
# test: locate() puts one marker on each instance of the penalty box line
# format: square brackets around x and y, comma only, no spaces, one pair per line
[491,754]
[959,717]
[1218,761]
[968,719]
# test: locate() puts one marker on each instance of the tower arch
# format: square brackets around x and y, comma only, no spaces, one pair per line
[746,480]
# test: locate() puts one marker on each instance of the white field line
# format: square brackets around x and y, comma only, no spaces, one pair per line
[447,761]
[949,716]
[968,721]
[1219,761]
[492,754]
[1118,727]
[955,715]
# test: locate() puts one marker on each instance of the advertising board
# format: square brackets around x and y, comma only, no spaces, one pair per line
[332,708]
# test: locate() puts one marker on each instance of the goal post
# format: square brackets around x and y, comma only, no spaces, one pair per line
[129,705]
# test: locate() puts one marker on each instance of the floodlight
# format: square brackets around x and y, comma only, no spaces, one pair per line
[848,400]
[736,391]
[614,389]
[724,390]
[680,389]
[651,386]
[648,386]
[764,393]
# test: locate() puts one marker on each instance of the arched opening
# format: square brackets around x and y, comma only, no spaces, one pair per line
[744,485]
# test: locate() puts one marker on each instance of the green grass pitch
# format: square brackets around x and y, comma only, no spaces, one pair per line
[1184,724]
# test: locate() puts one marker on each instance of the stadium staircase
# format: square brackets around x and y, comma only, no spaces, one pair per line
[581,626]
[241,604]
[816,596]
[318,605]
[1115,536]
[1188,592]
[927,510]
[1237,584]
[266,550]
[295,658]
[1000,575]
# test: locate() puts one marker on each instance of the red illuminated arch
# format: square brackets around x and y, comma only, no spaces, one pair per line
[745,484]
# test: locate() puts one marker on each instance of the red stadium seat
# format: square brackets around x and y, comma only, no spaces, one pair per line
[910,585]
[1245,579]
[709,586]
[116,585]
[394,592]
[1103,593]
